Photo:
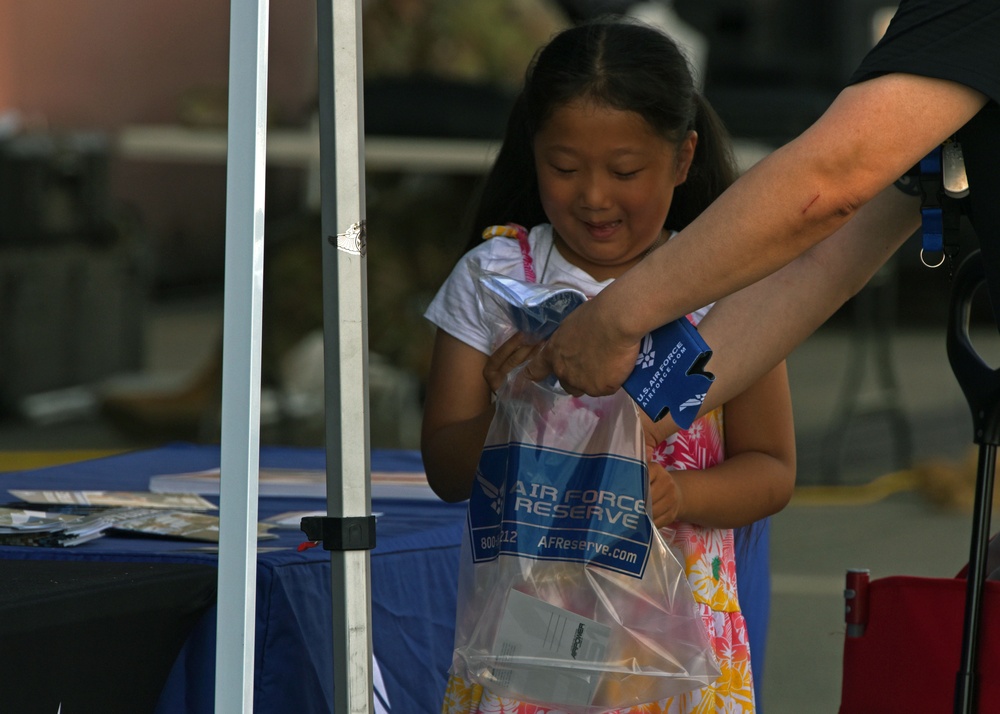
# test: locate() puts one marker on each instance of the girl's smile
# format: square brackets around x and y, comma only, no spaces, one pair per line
[603,230]
[606,181]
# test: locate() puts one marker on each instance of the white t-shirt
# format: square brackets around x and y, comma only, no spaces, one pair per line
[456,308]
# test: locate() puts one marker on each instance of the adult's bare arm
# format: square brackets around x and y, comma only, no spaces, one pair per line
[757,327]
[782,207]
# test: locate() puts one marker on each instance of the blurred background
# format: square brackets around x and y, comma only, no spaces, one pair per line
[112,213]
[112,186]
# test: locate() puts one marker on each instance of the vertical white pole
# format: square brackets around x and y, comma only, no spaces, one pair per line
[346,339]
[244,271]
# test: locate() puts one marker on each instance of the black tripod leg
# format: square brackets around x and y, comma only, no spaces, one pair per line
[979,383]
[965,685]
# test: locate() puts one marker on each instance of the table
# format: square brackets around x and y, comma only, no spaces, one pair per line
[88,636]
[413,578]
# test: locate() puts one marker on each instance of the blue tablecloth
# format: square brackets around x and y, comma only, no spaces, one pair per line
[413,580]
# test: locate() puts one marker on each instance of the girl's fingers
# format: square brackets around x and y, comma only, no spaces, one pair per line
[510,345]
[504,363]
[663,504]
[511,354]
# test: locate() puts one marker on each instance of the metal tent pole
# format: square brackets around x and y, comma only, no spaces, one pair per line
[342,196]
[241,355]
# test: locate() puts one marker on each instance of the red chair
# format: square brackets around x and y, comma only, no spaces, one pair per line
[904,653]
[928,644]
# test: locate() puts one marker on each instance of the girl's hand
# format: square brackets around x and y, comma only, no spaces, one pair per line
[655,432]
[510,354]
[664,496]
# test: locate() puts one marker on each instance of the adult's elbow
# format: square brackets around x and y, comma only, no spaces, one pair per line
[846,207]
[843,205]
[830,186]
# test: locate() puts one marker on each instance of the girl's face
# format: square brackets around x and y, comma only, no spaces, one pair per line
[606,181]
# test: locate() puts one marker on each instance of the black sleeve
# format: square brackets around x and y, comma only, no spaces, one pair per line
[957,40]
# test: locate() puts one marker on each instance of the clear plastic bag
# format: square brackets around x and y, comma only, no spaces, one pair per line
[568,596]
[517,305]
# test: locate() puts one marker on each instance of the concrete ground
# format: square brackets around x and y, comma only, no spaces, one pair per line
[876,518]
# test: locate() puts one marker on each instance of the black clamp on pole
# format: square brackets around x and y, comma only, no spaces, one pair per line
[348,533]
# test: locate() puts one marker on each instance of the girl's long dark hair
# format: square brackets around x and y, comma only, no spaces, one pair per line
[620,64]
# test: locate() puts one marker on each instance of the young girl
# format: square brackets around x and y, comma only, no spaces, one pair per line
[609,150]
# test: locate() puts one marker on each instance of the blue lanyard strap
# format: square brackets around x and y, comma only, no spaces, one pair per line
[931,210]
[940,211]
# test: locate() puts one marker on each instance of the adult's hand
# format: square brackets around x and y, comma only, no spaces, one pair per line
[588,354]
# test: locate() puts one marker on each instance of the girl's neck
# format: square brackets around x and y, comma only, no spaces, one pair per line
[601,273]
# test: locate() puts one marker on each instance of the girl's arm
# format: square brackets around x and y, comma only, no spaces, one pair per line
[457,415]
[458,409]
[756,479]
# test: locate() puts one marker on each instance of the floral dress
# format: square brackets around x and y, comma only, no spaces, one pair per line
[710,565]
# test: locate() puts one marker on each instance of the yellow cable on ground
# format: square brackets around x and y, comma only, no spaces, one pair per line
[864,494]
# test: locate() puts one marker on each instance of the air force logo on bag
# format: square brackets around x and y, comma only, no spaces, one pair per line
[492,493]
[598,517]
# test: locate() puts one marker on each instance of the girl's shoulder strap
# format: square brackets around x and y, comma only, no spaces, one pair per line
[519,233]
